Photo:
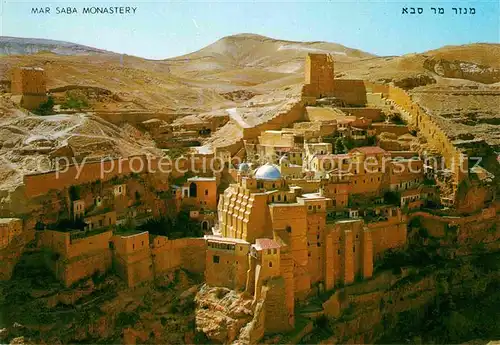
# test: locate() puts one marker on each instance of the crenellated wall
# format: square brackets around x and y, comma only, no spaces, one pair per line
[432,130]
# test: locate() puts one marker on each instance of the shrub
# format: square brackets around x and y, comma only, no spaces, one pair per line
[75,100]
[397,119]
[339,146]
[46,108]
[125,319]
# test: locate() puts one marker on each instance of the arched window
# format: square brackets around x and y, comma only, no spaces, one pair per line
[192,189]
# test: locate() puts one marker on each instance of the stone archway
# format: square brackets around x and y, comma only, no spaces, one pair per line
[204,225]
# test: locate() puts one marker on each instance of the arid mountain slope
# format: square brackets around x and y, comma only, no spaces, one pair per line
[21,46]
[194,82]
[28,143]
[249,65]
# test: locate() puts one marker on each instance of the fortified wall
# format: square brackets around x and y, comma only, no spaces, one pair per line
[76,258]
[139,257]
[283,119]
[81,173]
[436,137]
[319,82]
[480,228]
[10,255]
[135,257]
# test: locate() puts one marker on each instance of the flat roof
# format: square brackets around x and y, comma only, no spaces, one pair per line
[196,178]
[312,196]
[130,233]
[225,239]
[8,220]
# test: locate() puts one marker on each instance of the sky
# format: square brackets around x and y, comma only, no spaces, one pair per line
[163,29]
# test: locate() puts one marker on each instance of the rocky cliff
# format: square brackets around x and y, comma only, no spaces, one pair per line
[463,70]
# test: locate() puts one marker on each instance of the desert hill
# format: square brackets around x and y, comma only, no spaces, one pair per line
[226,74]
[22,46]
[195,82]
[29,142]
[255,52]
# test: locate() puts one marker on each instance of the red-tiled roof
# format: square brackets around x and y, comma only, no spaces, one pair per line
[266,243]
[369,150]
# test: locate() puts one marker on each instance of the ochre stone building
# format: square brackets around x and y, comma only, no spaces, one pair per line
[30,85]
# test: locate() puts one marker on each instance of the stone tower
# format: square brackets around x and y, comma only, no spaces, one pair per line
[29,85]
[319,75]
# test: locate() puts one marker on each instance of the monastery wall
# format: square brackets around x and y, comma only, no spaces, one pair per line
[187,253]
[367,183]
[134,117]
[315,244]
[324,115]
[71,271]
[431,130]
[374,114]
[32,102]
[387,235]
[134,268]
[390,128]
[278,318]
[10,255]
[9,228]
[281,120]
[84,246]
[390,145]
[61,243]
[39,184]
[289,222]
[436,224]
[353,92]
[308,186]
[287,272]
[132,257]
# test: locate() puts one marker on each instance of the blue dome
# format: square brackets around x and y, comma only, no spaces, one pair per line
[268,172]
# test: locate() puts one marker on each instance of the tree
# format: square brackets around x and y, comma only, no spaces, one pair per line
[339,146]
